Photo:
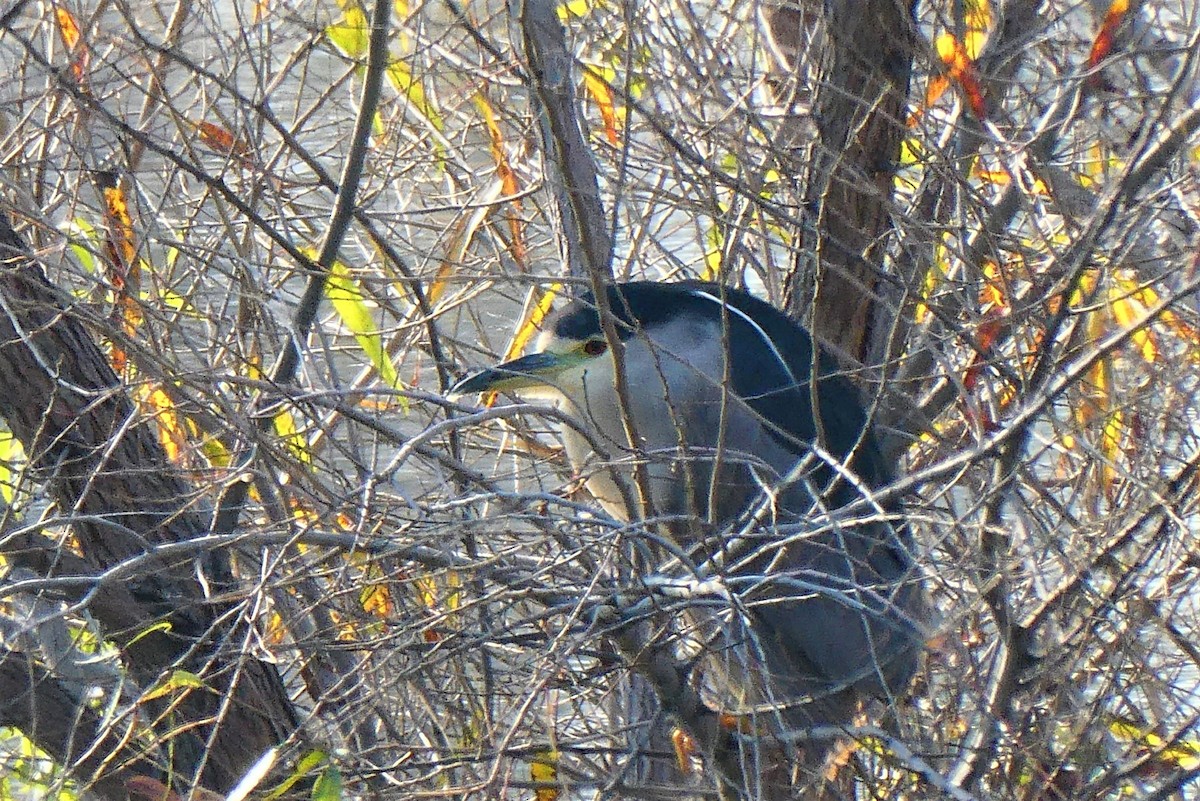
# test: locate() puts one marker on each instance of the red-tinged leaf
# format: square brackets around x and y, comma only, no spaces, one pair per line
[1102,45]
[985,338]
[685,750]
[962,71]
[222,140]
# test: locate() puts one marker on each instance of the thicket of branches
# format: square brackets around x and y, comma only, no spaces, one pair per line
[253,244]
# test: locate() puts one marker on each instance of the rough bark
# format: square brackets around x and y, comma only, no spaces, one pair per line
[864,52]
[103,757]
[107,472]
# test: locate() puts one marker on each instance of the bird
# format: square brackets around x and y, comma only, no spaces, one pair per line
[745,431]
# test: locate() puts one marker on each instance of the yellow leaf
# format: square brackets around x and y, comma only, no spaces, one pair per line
[977,20]
[83,242]
[533,322]
[376,600]
[911,152]
[508,178]
[12,454]
[400,75]
[351,35]
[349,303]
[575,9]
[933,279]
[544,770]
[1127,311]
[289,434]
[1184,754]
[172,429]
[713,253]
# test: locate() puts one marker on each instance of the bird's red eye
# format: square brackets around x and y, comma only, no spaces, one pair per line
[594,347]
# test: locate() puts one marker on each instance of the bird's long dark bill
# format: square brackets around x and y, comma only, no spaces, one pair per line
[534,370]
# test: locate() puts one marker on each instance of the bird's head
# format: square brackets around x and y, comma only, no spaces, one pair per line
[571,346]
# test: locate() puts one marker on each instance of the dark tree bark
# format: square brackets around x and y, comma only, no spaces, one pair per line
[102,757]
[107,472]
[864,54]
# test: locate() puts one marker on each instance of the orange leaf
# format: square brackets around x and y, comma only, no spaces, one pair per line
[508,178]
[377,600]
[124,270]
[937,86]
[599,89]
[993,292]
[962,70]
[685,750]
[1102,45]
[68,31]
[503,168]
[223,141]
[121,249]
[172,431]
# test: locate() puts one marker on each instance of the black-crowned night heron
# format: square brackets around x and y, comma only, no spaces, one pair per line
[778,471]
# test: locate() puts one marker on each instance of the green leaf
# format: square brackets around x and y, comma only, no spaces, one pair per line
[83,242]
[328,786]
[172,682]
[162,625]
[307,764]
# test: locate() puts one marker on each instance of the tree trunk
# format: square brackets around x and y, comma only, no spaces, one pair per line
[109,476]
[858,91]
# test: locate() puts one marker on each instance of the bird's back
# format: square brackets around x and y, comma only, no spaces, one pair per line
[834,604]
